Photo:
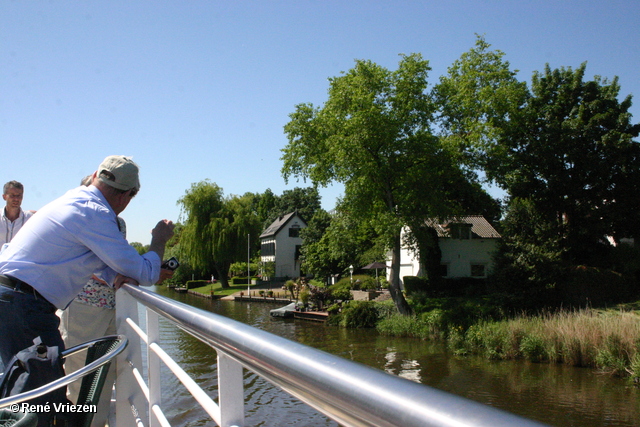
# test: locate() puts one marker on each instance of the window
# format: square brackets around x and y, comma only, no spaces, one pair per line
[460,231]
[268,249]
[478,270]
[294,231]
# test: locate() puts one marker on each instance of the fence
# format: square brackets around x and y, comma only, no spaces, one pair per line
[347,392]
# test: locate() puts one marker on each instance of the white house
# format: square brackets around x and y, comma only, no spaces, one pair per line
[280,243]
[467,244]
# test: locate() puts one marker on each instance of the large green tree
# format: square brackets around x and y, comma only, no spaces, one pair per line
[333,242]
[477,98]
[216,228]
[570,151]
[306,201]
[373,134]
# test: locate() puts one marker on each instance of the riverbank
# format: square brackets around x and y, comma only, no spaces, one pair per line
[606,340]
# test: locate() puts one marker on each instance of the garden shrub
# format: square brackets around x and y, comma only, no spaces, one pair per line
[400,326]
[385,308]
[369,283]
[414,284]
[192,284]
[359,314]
[320,296]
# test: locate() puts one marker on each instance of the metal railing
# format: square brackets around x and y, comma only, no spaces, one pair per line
[71,377]
[347,392]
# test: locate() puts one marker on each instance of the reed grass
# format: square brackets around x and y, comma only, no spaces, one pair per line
[608,340]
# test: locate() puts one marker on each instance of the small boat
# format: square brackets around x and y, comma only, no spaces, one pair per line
[286,311]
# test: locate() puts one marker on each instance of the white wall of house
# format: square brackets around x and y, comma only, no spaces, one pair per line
[460,257]
[467,258]
[409,264]
[286,264]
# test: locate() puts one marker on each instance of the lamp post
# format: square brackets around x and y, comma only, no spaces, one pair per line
[351,273]
[248,264]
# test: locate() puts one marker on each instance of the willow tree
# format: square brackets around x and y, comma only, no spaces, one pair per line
[373,135]
[216,228]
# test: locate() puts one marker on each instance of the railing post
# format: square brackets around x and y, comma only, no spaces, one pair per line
[128,393]
[230,392]
[153,364]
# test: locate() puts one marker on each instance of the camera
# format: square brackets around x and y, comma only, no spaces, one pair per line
[170,264]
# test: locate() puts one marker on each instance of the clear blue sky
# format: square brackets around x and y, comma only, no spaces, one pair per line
[202,89]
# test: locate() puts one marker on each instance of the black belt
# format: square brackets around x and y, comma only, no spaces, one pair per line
[19,286]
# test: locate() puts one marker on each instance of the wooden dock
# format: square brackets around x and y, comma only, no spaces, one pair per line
[315,316]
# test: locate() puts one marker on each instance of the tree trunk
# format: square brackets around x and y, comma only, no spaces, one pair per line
[224,282]
[430,254]
[394,287]
[224,275]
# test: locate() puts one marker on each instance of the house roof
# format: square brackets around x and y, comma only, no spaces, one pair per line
[279,223]
[480,227]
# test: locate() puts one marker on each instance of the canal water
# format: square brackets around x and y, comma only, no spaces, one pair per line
[554,394]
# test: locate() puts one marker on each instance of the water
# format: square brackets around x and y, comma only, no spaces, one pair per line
[554,394]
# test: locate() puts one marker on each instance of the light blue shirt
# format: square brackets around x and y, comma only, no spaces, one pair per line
[67,241]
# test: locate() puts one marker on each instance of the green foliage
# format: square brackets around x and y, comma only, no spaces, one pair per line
[570,152]
[240,268]
[291,287]
[341,291]
[332,242]
[267,269]
[304,296]
[369,282]
[191,284]
[320,296]
[306,201]
[477,97]
[634,367]
[216,228]
[529,262]
[533,348]
[398,325]
[359,314]
[414,284]
[373,134]
[316,283]
[614,356]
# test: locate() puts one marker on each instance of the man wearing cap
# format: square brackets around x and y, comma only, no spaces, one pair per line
[57,251]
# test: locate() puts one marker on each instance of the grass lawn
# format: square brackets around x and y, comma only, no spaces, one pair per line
[232,289]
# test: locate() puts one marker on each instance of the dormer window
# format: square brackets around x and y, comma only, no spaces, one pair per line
[460,231]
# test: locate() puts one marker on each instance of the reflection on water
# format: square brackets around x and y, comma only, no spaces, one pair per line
[554,394]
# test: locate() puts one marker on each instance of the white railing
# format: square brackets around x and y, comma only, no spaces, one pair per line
[347,392]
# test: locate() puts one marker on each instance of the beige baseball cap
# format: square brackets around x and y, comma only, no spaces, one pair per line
[122,173]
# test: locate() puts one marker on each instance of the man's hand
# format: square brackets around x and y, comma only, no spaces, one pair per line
[165,273]
[160,234]
[121,280]
[163,230]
